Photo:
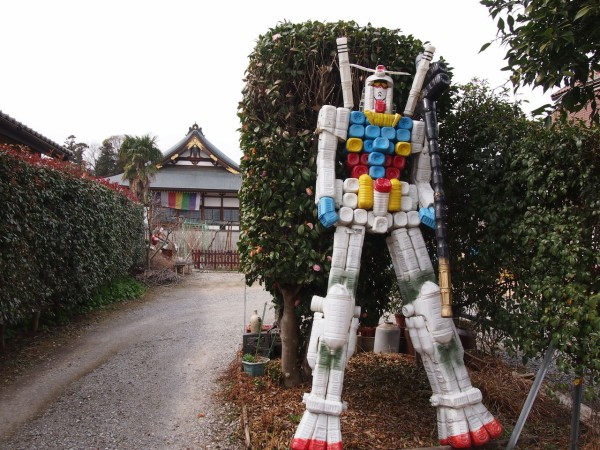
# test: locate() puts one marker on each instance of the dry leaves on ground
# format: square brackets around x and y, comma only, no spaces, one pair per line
[388,405]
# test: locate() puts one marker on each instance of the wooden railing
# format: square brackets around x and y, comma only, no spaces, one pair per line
[216,260]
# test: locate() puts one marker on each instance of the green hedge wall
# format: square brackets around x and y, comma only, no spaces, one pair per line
[63,235]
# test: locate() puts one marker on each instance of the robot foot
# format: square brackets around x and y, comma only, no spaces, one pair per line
[467,427]
[318,432]
[314,444]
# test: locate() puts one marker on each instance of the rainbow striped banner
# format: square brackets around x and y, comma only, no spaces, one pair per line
[180,200]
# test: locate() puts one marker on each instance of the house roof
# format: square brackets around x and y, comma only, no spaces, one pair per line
[193,164]
[593,81]
[190,178]
[197,138]
[14,132]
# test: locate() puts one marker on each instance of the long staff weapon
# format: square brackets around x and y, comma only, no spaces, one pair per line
[437,82]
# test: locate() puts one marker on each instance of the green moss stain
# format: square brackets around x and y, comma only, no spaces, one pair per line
[450,353]
[409,290]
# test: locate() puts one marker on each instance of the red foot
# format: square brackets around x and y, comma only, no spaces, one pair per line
[444,441]
[314,444]
[460,441]
[494,428]
[480,436]
[299,444]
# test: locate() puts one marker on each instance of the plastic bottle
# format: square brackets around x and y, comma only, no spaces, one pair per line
[255,322]
[365,192]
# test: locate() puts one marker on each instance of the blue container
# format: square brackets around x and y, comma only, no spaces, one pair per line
[357,131]
[403,135]
[391,148]
[357,117]
[405,123]
[376,172]
[372,131]
[376,159]
[368,145]
[326,211]
[388,132]
[381,144]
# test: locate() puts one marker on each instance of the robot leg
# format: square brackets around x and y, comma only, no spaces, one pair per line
[336,323]
[320,424]
[463,420]
[345,260]
[411,261]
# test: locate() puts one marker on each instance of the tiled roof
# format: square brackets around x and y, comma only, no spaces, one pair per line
[583,114]
[18,132]
[196,131]
[190,178]
[221,174]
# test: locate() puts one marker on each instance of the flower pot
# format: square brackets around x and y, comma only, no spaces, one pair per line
[468,338]
[366,331]
[364,343]
[400,320]
[255,369]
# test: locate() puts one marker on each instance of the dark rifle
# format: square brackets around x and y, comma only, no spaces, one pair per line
[437,81]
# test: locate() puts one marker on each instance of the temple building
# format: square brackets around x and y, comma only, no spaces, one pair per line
[197,185]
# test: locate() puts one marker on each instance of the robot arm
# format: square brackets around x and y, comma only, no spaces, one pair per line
[436,82]
[345,77]
[332,126]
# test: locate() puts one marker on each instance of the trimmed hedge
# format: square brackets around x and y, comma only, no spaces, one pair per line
[63,236]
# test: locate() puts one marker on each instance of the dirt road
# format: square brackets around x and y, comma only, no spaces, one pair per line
[141,379]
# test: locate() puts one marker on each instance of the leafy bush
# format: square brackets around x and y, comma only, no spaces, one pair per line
[119,290]
[523,218]
[64,235]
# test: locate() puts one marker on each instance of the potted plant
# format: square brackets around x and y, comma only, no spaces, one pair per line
[254,364]
[395,307]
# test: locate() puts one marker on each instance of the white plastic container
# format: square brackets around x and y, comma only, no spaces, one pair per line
[255,322]
[387,338]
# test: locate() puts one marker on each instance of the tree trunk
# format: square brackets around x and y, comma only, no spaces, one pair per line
[289,338]
[35,321]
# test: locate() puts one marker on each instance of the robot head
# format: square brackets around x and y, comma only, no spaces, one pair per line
[379,91]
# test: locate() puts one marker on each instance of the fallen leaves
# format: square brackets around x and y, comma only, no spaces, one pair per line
[388,404]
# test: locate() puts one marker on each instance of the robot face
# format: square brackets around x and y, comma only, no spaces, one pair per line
[380,90]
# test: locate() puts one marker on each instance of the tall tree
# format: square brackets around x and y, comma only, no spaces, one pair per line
[77,148]
[109,163]
[292,72]
[552,43]
[525,226]
[140,156]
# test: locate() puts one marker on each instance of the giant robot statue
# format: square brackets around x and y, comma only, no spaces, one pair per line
[373,199]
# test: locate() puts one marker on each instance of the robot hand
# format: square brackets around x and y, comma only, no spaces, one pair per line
[463,420]
[326,212]
[437,81]
[427,216]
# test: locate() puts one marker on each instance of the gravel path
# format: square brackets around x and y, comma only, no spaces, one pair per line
[143,379]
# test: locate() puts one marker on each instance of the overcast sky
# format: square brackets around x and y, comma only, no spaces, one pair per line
[94,69]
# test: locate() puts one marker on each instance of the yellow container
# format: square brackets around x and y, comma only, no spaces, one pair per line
[354,145]
[395,201]
[403,148]
[365,192]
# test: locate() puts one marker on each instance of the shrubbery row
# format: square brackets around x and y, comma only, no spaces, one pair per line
[63,235]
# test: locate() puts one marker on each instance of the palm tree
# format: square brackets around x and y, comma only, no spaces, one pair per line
[140,156]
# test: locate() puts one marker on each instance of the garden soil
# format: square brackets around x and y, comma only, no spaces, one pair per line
[139,376]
